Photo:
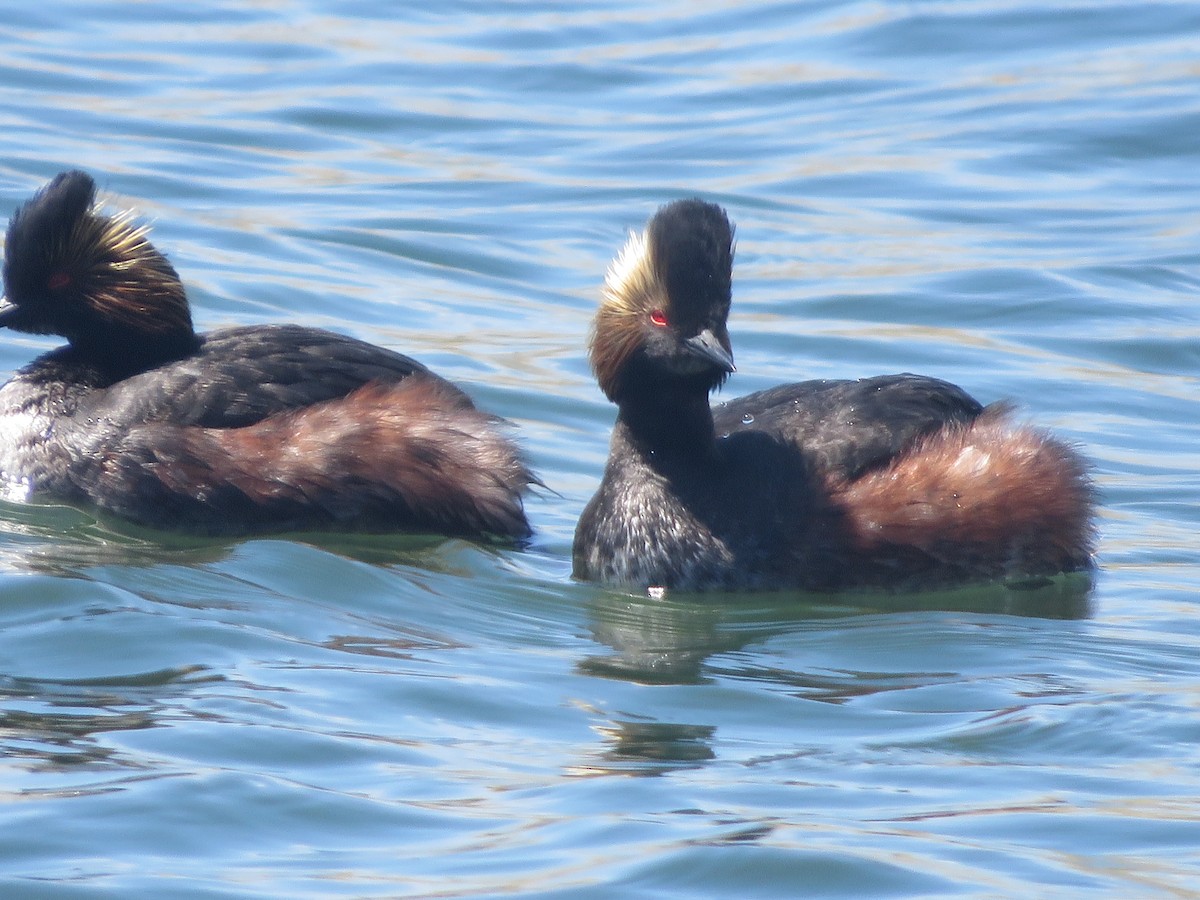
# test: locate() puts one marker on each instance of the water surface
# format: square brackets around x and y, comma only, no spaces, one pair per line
[997,193]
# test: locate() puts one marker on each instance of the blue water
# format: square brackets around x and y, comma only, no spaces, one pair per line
[995,192]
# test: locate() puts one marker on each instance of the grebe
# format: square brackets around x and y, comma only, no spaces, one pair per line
[250,429]
[892,482]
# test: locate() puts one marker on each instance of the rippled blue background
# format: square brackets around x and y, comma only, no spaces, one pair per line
[997,193]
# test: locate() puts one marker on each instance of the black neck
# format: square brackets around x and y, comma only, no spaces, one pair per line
[669,422]
[122,355]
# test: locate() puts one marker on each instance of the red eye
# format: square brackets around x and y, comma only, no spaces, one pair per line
[658,319]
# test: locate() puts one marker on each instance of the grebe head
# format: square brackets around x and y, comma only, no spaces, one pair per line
[95,279]
[665,304]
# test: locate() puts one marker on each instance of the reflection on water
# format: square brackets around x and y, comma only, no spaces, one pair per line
[59,724]
[700,639]
[62,540]
[669,640]
[635,747]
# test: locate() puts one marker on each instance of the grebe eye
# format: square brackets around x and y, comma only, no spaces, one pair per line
[58,280]
[658,319]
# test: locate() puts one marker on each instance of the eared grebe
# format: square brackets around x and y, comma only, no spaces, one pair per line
[262,428]
[894,482]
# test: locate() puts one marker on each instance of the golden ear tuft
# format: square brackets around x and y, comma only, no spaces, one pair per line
[632,289]
[128,279]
